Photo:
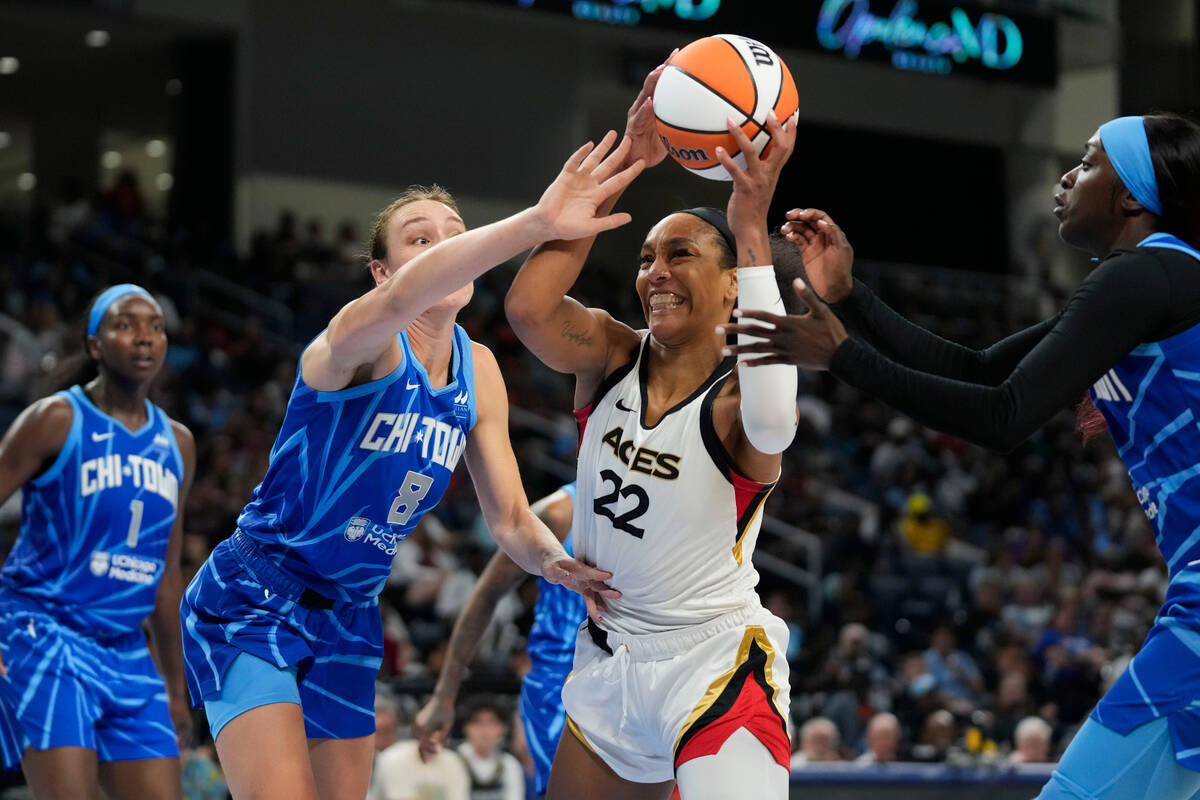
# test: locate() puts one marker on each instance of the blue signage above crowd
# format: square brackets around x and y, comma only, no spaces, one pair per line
[939,37]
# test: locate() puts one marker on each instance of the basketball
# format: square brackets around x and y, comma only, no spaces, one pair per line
[712,79]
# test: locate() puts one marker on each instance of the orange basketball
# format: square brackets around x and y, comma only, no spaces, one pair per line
[712,79]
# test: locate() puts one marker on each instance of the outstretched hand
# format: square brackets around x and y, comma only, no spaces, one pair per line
[827,254]
[587,581]
[640,130]
[806,340]
[591,175]
[754,185]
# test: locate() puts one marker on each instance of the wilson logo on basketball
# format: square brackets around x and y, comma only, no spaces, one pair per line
[685,153]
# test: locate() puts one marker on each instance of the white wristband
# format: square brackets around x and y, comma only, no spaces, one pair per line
[768,401]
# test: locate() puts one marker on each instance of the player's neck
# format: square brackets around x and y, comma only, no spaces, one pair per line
[125,401]
[681,367]
[431,339]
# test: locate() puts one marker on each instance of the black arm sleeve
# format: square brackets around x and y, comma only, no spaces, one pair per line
[1124,302]
[909,344]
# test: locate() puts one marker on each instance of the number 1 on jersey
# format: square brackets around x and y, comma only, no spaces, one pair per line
[135,523]
[408,497]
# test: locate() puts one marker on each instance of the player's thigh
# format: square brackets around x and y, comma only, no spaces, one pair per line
[264,754]
[142,779]
[1102,764]
[342,767]
[580,774]
[61,773]
[743,767]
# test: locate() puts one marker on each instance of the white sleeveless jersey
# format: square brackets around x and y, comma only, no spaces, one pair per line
[663,507]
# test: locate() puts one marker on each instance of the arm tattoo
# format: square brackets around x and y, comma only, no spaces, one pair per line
[578,338]
[753,258]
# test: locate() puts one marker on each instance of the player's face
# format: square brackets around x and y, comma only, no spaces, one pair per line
[412,230]
[1087,203]
[680,281]
[131,339]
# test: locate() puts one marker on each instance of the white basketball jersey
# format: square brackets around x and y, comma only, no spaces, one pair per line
[662,507]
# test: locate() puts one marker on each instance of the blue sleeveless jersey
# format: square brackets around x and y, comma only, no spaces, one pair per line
[95,525]
[352,472]
[1151,403]
[557,617]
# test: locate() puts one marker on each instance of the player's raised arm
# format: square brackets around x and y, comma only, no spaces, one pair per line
[569,208]
[564,334]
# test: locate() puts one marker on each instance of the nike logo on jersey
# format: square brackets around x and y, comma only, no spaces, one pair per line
[642,459]
[111,471]
[1111,388]
[100,437]
[411,385]
[622,406]
[440,442]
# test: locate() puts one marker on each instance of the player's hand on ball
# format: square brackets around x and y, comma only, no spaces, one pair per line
[754,186]
[828,256]
[587,581]
[431,727]
[806,340]
[640,130]
[567,209]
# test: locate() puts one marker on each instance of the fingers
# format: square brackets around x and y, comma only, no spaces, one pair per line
[751,348]
[620,181]
[593,159]
[615,159]
[816,308]
[774,320]
[595,606]
[578,156]
[609,592]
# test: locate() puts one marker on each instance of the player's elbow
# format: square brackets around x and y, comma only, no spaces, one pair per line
[772,435]
[524,310]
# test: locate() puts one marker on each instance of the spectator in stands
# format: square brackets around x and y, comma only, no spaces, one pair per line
[400,774]
[937,736]
[883,740]
[923,532]
[1032,742]
[954,670]
[495,773]
[819,742]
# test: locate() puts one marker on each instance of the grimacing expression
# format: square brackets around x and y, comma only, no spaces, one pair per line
[680,281]
[1088,203]
[132,338]
[413,229]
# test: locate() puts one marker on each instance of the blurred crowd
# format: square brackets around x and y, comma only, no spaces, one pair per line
[973,606]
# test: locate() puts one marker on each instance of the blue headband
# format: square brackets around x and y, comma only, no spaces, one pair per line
[1124,139]
[106,299]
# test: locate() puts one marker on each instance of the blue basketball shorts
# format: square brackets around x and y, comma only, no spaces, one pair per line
[241,602]
[543,717]
[66,689]
[1101,764]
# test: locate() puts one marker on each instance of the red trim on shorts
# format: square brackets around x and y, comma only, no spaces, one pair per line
[744,702]
[751,710]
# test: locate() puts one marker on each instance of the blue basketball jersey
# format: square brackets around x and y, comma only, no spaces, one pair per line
[557,617]
[95,525]
[1150,402]
[352,472]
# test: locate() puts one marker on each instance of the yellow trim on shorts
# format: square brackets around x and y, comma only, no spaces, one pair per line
[573,728]
[737,548]
[754,633]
